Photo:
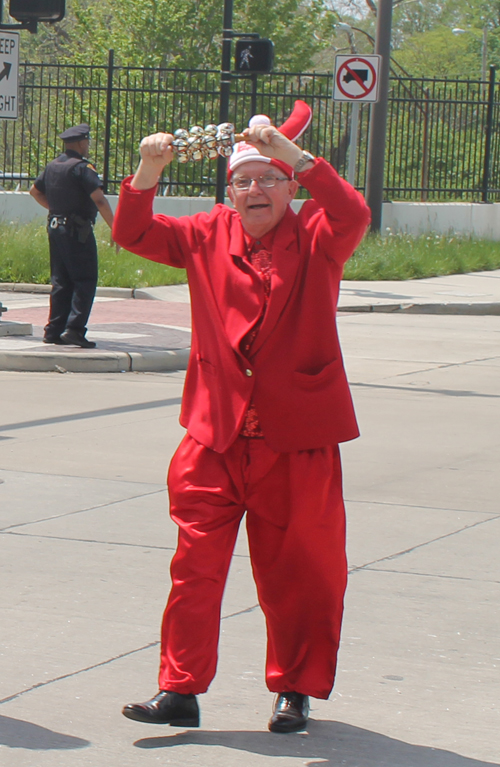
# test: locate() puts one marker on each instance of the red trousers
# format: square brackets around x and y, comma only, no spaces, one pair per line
[296,531]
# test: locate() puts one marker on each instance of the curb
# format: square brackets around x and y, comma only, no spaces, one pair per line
[104,292]
[15,328]
[427,308]
[95,362]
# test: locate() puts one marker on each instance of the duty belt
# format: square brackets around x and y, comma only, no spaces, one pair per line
[57,221]
[77,226]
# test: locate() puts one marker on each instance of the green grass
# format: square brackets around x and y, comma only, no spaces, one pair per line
[24,257]
[402,257]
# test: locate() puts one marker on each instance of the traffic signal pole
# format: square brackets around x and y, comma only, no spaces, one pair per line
[225,89]
[378,121]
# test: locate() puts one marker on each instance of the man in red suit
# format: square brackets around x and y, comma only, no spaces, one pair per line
[265,404]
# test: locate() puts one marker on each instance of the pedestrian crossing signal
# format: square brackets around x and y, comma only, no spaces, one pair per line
[37,10]
[254,56]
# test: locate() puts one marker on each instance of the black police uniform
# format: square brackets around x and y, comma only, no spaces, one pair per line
[67,182]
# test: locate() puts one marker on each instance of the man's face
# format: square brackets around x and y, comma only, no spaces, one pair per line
[260,207]
[84,147]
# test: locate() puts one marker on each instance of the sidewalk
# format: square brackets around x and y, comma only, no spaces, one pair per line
[150,329]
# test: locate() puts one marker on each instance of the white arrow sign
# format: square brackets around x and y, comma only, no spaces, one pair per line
[9,74]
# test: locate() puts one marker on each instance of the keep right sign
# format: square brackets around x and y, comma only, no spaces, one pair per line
[9,70]
[356,78]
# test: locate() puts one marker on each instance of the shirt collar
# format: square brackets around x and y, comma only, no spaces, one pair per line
[72,153]
[265,242]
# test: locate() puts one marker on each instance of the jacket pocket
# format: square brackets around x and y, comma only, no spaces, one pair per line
[319,379]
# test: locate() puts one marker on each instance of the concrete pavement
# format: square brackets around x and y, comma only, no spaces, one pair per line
[154,335]
[86,543]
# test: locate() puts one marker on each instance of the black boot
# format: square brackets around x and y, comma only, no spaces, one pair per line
[290,712]
[166,708]
[72,337]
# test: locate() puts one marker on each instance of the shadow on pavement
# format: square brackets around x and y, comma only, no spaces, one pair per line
[16,733]
[333,743]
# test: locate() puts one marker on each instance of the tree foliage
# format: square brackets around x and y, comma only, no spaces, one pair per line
[185,34]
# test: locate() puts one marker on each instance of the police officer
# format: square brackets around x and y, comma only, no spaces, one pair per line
[71,190]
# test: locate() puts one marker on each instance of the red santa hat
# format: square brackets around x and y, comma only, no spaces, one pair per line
[292,128]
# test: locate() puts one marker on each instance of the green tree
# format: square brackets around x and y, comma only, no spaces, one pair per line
[184,34]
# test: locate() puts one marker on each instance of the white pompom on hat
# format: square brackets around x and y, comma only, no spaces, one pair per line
[292,128]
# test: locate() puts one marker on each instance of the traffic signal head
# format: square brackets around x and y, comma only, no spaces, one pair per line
[255,56]
[37,10]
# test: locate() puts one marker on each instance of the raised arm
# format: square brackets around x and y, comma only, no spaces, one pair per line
[271,143]
[156,152]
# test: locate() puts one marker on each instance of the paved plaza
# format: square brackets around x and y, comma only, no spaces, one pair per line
[86,543]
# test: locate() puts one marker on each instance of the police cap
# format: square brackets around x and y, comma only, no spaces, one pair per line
[76,133]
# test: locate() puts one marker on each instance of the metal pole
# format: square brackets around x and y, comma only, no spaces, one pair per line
[425,148]
[253,109]
[378,121]
[484,53]
[225,89]
[489,128]
[353,143]
[107,130]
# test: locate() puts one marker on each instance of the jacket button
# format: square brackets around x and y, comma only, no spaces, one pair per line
[249,372]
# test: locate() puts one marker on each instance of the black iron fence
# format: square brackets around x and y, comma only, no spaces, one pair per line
[443,138]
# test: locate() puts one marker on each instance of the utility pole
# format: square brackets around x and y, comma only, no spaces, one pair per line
[378,121]
[225,89]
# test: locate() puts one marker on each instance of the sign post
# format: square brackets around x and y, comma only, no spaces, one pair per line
[378,120]
[9,75]
[355,80]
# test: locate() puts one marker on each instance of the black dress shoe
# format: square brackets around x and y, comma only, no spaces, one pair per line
[52,340]
[290,713]
[166,708]
[74,338]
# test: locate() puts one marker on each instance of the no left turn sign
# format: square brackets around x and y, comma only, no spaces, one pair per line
[356,78]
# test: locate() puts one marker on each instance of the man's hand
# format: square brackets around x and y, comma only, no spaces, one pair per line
[156,152]
[271,143]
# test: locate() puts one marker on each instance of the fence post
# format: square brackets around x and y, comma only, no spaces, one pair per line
[107,132]
[425,149]
[489,128]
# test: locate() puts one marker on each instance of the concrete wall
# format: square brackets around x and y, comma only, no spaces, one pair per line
[477,219]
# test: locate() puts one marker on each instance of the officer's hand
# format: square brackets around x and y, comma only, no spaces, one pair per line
[114,245]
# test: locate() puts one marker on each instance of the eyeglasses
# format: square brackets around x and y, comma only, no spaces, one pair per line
[242,184]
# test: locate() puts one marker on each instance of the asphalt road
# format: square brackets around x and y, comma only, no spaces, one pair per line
[86,543]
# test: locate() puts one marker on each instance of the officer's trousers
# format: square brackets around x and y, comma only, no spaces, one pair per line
[296,531]
[73,274]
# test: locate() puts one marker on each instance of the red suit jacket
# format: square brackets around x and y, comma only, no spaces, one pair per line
[295,375]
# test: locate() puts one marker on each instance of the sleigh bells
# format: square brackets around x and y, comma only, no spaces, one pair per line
[204,143]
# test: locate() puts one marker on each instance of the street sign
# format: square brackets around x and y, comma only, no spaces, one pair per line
[9,74]
[356,78]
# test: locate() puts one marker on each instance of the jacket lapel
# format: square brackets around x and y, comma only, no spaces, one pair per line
[240,290]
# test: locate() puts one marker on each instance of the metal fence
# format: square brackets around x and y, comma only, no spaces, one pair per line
[443,139]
